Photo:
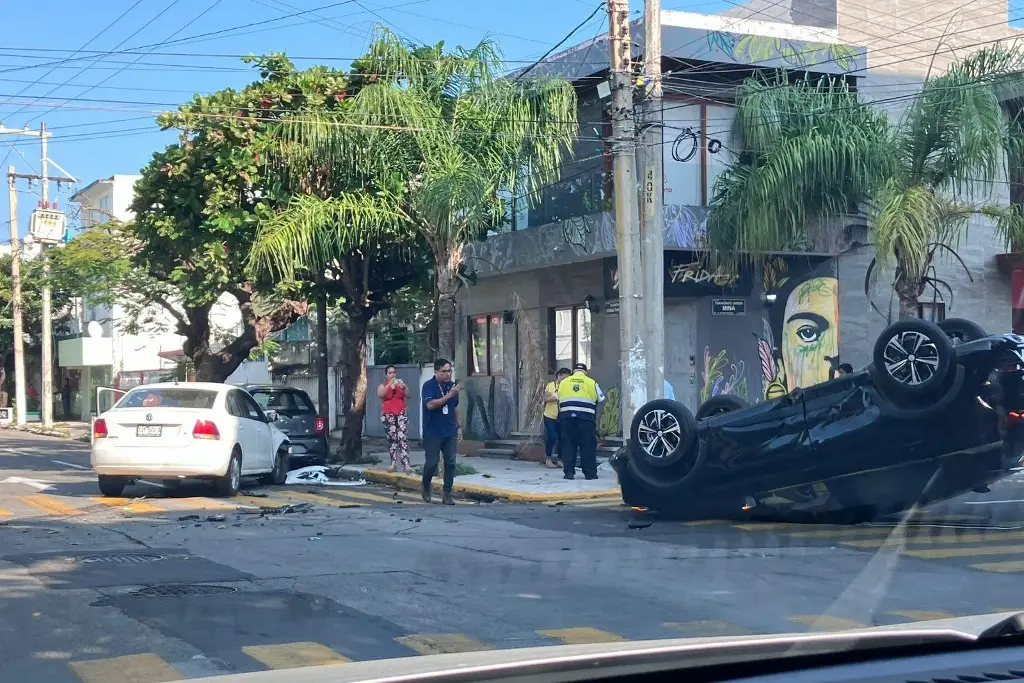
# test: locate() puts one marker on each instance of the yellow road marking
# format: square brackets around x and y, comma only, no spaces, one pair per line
[599,502]
[825,622]
[6,513]
[147,668]
[259,502]
[941,553]
[442,643]
[294,655]
[581,635]
[707,628]
[127,504]
[704,522]
[1008,567]
[50,505]
[944,538]
[922,614]
[195,504]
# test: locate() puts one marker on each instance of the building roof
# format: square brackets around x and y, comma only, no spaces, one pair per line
[88,189]
[687,36]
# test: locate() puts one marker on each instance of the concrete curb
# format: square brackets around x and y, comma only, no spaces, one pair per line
[413,483]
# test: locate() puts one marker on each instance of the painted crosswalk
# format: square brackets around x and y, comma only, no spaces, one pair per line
[55,504]
[149,667]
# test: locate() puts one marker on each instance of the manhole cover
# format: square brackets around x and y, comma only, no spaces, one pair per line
[121,558]
[172,590]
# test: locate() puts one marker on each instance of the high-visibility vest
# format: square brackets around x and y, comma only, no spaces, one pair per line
[577,397]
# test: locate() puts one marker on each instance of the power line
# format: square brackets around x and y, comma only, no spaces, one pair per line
[561,42]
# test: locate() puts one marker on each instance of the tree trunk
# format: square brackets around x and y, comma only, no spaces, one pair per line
[907,293]
[353,367]
[323,393]
[446,322]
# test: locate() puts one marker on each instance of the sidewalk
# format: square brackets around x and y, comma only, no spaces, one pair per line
[79,431]
[512,481]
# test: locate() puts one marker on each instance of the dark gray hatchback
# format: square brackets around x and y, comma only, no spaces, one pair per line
[297,418]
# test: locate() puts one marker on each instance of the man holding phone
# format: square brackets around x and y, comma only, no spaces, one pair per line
[441,428]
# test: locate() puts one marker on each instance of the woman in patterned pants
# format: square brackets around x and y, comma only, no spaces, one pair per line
[392,393]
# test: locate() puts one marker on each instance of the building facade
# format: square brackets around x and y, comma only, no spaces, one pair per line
[546,293]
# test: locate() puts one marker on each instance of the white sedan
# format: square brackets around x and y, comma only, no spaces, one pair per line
[172,431]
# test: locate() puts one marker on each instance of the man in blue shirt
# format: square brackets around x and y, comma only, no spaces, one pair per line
[441,428]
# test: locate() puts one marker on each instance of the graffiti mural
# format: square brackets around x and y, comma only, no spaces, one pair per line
[799,343]
[609,422]
[755,49]
[722,377]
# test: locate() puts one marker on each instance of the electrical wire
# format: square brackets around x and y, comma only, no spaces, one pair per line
[557,45]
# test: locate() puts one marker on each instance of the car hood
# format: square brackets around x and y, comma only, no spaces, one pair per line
[573,662]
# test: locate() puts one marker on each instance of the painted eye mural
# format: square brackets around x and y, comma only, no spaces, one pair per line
[799,345]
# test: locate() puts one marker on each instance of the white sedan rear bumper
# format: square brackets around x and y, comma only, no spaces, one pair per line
[199,459]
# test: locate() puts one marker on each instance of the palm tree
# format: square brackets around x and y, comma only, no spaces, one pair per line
[815,150]
[457,134]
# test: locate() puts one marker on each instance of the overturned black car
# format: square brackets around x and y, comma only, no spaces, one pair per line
[939,412]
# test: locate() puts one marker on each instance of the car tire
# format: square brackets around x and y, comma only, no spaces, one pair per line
[112,487]
[662,433]
[720,405]
[961,330]
[913,359]
[278,475]
[230,484]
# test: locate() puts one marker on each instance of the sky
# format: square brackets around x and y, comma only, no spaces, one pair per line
[101,107]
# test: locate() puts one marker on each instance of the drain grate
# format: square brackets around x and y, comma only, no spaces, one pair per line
[174,590]
[120,558]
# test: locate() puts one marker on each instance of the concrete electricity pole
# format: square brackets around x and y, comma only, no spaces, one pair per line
[46,408]
[632,331]
[19,330]
[653,198]
[41,229]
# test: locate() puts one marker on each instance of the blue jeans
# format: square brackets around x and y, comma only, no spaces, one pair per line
[551,436]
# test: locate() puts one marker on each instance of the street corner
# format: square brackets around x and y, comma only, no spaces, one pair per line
[543,487]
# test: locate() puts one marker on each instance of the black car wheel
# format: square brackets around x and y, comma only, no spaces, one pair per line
[662,432]
[961,330]
[720,405]
[913,359]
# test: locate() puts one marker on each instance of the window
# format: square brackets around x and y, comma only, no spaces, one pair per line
[932,312]
[150,397]
[486,344]
[285,402]
[570,337]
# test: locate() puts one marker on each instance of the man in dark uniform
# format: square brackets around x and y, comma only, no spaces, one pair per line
[578,396]
[441,428]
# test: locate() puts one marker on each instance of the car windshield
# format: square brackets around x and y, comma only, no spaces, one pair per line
[285,402]
[152,397]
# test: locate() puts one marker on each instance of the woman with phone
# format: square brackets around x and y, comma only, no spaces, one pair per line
[392,393]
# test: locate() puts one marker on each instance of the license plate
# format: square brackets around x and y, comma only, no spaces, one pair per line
[148,430]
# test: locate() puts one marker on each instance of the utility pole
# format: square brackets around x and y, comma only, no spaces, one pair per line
[652,225]
[41,227]
[628,241]
[19,330]
[46,409]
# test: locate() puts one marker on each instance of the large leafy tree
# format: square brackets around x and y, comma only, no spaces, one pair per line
[448,134]
[814,150]
[342,231]
[198,205]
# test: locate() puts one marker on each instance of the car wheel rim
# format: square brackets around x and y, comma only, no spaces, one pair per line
[911,358]
[659,433]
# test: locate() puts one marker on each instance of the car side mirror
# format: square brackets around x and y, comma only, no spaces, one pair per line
[272,416]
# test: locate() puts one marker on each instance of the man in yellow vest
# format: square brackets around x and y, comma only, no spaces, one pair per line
[578,396]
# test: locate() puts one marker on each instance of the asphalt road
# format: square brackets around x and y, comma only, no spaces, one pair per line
[173,584]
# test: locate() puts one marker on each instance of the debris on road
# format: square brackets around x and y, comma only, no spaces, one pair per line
[316,474]
[639,523]
[216,518]
[188,518]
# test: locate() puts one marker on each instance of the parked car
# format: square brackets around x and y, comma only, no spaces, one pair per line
[296,416]
[939,412]
[170,431]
